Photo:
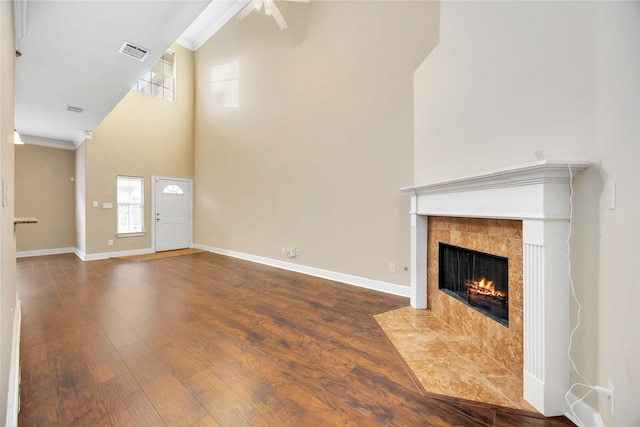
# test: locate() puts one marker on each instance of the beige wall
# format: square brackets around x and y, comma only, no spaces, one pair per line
[7,238]
[43,189]
[511,78]
[321,143]
[143,136]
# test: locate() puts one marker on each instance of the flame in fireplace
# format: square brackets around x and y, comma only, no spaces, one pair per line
[484,287]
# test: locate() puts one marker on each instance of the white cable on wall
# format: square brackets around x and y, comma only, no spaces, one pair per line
[585,383]
[575,297]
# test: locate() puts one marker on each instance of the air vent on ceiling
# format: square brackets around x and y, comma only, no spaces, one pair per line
[134,51]
[75,109]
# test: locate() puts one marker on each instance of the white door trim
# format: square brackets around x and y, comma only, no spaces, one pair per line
[154,180]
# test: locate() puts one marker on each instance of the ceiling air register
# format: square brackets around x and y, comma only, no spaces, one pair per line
[134,51]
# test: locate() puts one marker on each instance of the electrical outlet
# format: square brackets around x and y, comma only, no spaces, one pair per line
[611,396]
[110,242]
[392,267]
[284,250]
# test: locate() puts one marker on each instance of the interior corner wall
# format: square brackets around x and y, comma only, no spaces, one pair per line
[316,152]
[80,201]
[7,237]
[143,136]
[511,78]
[44,190]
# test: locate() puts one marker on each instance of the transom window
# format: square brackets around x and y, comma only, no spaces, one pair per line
[130,204]
[160,80]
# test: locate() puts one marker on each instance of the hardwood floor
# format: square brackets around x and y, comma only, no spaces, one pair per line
[207,340]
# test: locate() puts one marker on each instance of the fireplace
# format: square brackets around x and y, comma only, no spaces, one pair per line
[538,195]
[477,279]
[481,248]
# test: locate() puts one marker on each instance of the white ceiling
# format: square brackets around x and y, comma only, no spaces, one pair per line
[70,57]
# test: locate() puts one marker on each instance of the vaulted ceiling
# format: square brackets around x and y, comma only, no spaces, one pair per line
[70,57]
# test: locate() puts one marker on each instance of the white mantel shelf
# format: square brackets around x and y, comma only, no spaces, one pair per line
[536,190]
[538,194]
[526,174]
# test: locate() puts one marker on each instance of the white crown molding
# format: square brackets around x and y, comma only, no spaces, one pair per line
[186,43]
[362,282]
[48,142]
[203,30]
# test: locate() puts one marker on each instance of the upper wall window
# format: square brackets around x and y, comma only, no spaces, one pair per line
[130,204]
[160,80]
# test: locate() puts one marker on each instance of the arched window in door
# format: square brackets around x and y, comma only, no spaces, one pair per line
[172,189]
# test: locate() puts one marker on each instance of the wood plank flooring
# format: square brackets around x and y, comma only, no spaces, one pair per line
[207,340]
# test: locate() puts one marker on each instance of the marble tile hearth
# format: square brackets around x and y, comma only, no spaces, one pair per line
[448,364]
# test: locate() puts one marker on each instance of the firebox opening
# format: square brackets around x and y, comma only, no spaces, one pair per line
[479,280]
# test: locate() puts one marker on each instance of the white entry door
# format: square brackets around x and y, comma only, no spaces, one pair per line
[172,214]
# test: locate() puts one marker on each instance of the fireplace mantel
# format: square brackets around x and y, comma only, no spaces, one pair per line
[538,194]
[536,190]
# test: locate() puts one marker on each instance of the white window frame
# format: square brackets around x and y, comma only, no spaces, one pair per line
[155,82]
[119,204]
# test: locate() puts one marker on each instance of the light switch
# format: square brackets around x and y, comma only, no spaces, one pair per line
[95,204]
[107,205]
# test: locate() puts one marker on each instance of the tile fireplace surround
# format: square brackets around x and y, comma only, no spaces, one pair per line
[538,195]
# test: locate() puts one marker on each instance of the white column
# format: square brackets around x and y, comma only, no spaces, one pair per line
[418,257]
[546,314]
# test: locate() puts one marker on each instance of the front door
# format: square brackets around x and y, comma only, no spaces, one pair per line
[172,214]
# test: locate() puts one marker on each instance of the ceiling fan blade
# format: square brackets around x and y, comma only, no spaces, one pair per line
[257,4]
[277,16]
[245,11]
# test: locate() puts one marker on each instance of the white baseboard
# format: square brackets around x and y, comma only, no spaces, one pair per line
[107,255]
[376,285]
[583,415]
[13,398]
[42,252]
